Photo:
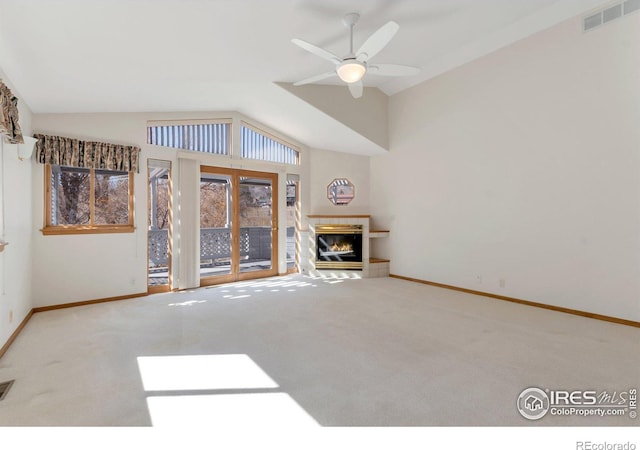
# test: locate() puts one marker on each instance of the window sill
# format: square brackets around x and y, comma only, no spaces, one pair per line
[48,231]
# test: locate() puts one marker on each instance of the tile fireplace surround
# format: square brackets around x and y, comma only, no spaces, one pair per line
[371,268]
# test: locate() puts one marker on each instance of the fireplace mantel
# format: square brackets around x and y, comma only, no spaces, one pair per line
[372,267]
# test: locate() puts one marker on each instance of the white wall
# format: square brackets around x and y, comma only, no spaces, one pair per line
[317,173]
[15,260]
[327,166]
[366,115]
[523,166]
[72,268]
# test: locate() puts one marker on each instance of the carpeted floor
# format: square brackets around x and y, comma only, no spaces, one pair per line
[309,351]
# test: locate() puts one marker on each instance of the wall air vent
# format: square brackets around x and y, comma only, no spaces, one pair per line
[631,6]
[614,12]
[609,14]
[593,21]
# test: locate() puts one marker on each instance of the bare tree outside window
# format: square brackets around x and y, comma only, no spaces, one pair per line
[71,188]
[213,204]
[255,204]
[161,204]
[111,198]
[86,200]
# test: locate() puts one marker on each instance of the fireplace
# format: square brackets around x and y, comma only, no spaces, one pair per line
[338,247]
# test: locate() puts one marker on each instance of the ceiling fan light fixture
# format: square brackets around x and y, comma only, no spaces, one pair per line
[351,71]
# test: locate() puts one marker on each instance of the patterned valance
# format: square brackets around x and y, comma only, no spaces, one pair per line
[9,116]
[65,151]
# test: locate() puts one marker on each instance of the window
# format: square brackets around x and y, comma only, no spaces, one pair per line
[81,200]
[214,137]
[256,144]
[293,222]
[206,136]
[159,229]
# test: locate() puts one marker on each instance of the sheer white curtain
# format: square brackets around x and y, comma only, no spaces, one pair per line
[187,224]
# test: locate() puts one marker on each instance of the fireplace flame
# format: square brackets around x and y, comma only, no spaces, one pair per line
[341,247]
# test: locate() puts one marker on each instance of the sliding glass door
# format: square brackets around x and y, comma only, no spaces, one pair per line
[238,225]
[216,245]
[257,223]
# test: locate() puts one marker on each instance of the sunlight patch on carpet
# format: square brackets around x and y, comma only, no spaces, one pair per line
[249,411]
[202,372]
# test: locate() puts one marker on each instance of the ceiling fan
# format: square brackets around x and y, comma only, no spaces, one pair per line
[355,65]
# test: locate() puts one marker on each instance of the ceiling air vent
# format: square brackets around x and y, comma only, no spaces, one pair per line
[611,13]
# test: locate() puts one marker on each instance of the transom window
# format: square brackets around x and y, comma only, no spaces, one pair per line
[214,136]
[203,136]
[82,200]
[256,144]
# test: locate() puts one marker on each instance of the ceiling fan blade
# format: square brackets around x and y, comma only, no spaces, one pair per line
[377,41]
[315,78]
[322,53]
[356,89]
[392,70]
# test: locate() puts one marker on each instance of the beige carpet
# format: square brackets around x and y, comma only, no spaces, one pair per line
[306,352]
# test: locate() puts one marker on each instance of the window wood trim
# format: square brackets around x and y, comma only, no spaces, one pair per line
[96,229]
[168,123]
[91,228]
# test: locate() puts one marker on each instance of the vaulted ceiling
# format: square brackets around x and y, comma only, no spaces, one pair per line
[202,55]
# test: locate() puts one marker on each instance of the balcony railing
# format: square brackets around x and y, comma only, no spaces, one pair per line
[215,246]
